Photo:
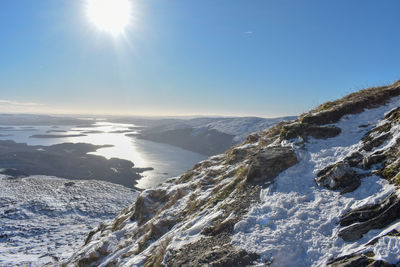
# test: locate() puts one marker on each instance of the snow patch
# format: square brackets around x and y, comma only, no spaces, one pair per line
[296,221]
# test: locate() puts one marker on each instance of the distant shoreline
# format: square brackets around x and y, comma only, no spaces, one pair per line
[67,160]
[56,135]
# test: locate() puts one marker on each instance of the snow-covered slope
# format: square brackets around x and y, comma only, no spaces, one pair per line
[322,190]
[297,220]
[44,219]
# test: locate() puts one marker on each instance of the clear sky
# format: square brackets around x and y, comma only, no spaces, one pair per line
[184,57]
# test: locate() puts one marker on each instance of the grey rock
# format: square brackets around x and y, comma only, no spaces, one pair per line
[355,159]
[338,176]
[268,163]
[358,261]
[303,130]
[350,261]
[362,220]
[373,159]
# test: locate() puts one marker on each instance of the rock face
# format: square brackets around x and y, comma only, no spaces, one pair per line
[362,220]
[338,176]
[221,254]
[304,130]
[280,198]
[359,261]
[268,163]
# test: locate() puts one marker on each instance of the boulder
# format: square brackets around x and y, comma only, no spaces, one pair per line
[356,260]
[268,163]
[211,252]
[338,176]
[303,130]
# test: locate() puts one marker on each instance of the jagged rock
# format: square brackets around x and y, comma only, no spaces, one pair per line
[358,261]
[364,219]
[215,252]
[304,130]
[355,159]
[368,212]
[338,176]
[373,159]
[370,143]
[268,163]
[380,263]
[350,261]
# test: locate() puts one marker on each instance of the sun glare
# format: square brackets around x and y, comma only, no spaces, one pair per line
[111,16]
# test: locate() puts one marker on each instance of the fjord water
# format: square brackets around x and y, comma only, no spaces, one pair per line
[167,161]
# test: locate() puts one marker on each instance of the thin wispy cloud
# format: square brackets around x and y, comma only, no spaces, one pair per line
[16,103]
[249,32]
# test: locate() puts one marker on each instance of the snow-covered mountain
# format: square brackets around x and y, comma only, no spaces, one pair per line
[322,190]
[44,219]
[208,136]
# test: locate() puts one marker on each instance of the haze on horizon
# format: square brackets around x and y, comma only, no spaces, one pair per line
[264,58]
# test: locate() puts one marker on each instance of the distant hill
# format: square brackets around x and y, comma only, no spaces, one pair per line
[31,119]
[208,136]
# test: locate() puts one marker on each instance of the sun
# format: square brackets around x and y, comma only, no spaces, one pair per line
[110,16]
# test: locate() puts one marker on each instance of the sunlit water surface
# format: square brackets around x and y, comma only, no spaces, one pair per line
[167,161]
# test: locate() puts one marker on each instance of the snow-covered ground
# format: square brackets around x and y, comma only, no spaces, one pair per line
[296,220]
[44,219]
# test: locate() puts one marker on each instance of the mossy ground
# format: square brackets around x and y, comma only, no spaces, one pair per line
[236,183]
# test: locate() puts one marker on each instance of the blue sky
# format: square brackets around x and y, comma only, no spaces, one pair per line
[238,57]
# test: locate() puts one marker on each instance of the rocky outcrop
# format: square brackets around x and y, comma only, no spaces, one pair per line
[268,163]
[211,252]
[339,176]
[303,130]
[366,258]
[362,220]
[358,261]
